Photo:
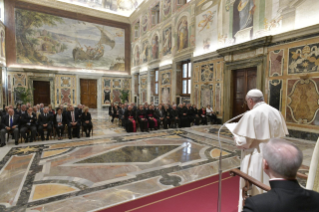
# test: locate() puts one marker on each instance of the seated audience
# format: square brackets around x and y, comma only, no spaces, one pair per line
[86,121]
[10,122]
[151,118]
[51,111]
[161,117]
[45,122]
[142,119]
[59,122]
[196,117]
[183,116]
[18,109]
[281,163]
[73,122]
[211,114]
[202,114]
[175,117]
[115,112]
[167,112]
[111,111]
[121,114]
[130,123]
[28,122]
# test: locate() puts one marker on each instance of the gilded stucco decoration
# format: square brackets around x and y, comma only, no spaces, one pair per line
[304,59]
[276,60]
[165,86]
[303,101]
[65,89]
[111,88]
[207,84]
[143,86]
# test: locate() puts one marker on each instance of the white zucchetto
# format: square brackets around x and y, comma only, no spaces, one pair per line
[254,93]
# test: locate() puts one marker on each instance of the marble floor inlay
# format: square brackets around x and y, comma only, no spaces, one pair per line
[111,167]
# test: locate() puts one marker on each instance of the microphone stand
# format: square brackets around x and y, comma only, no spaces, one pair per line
[219,204]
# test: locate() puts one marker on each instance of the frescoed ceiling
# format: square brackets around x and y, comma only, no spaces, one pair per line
[119,7]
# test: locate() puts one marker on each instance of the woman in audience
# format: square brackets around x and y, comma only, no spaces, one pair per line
[18,109]
[59,122]
[202,115]
[151,118]
[142,119]
[51,111]
[86,121]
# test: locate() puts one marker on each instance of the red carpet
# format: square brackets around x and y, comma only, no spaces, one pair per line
[200,196]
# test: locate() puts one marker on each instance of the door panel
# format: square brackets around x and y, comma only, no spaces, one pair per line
[41,92]
[89,93]
[244,80]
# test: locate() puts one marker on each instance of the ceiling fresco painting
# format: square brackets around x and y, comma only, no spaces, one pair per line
[119,7]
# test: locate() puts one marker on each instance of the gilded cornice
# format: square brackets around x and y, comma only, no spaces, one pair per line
[78,9]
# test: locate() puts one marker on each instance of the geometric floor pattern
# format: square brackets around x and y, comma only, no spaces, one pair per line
[98,173]
[112,167]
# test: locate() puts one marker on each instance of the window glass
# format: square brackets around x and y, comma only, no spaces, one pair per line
[156,76]
[184,86]
[189,69]
[184,70]
[189,86]
[156,88]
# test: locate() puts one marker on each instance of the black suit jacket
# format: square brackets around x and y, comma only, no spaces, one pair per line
[284,196]
[86,117]
[158,114]
[69,117]
[15,121]
[25,119]
[45,119]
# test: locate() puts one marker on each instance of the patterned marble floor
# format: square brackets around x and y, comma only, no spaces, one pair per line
[110,168]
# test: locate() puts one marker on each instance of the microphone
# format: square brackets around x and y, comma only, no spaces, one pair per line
[219,203]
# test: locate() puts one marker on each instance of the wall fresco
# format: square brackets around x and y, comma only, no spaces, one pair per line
[62,42]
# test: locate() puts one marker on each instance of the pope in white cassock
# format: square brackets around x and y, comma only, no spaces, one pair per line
[254,129]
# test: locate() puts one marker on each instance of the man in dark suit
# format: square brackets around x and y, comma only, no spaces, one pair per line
[175,116]
[45,122]
[10,122]
[28,122]
[161,116]
[72,118]
[281,163]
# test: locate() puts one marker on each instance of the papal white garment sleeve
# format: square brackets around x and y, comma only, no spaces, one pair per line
[253,130]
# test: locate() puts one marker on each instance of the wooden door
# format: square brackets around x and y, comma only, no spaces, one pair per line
[89,93]
[244,80]
[41,92]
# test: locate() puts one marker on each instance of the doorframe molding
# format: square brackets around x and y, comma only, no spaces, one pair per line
[31,79]
[258,62]
[98,84]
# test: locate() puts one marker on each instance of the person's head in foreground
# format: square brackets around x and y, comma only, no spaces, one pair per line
[282,159]
[253,97]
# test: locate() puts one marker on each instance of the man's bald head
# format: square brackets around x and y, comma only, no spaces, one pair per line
[282,159]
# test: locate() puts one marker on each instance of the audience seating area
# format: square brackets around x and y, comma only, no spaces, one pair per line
[38,121]
[147,117]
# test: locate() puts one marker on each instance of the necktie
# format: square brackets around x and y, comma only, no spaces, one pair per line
[11,122]
[72,116]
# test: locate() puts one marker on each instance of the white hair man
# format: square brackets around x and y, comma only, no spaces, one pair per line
[281,163]
[252,132]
